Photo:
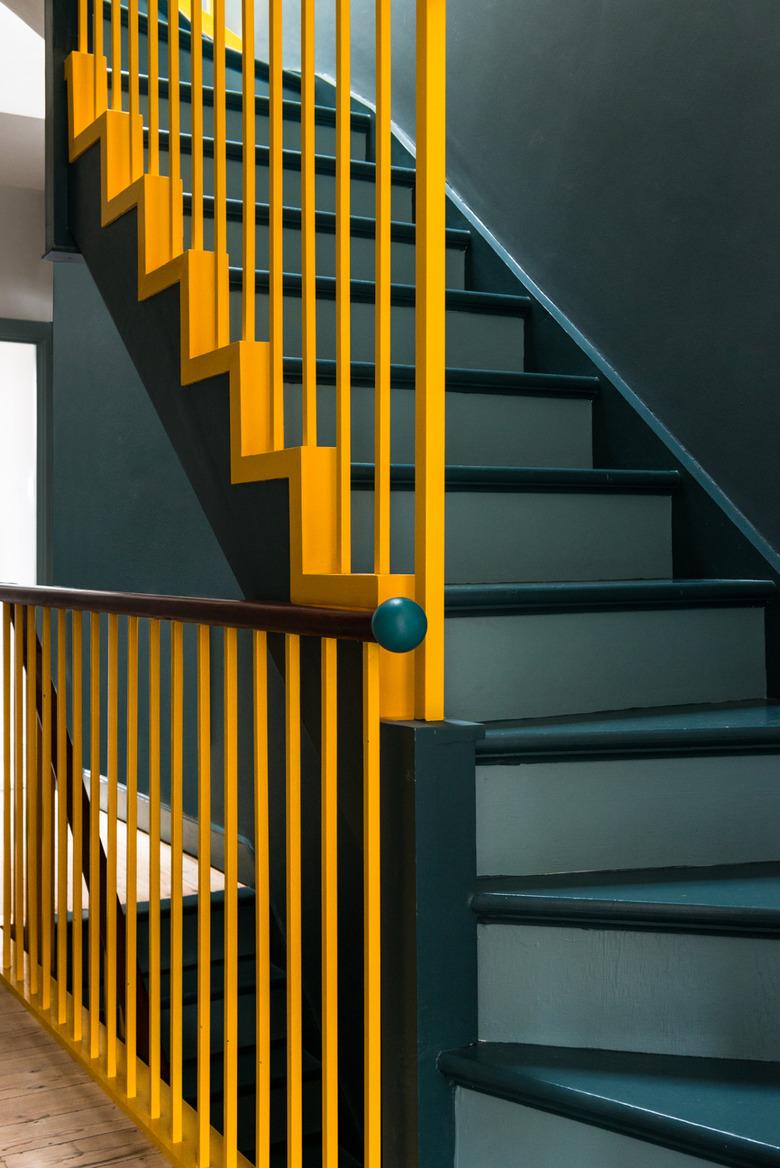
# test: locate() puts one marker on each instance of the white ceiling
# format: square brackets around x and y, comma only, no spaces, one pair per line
[22,76]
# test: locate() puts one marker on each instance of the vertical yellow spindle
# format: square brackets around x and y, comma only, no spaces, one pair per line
[154,868]
[46,838]
[177,827]
[153,48]
[204,896]
[196,91]
[7,784]
[262,905]
[83,26]
[32,856]
[220,176]
[382,312]
[294,950]
[94,835]
[134,68]
[111,847]
[230,1085]
[63,780]
[372,933]
[330,908]
[77,828]
[275,220]
[174,131]
[343,285]
[250,169]
[97,50]
[308,227]
[20,617]
[7,781]
[116,55]
[430,351]
[131,903]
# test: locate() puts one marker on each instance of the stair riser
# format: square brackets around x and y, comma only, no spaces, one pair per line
[537,665]
[531,536]
[474,340]
[598,815]
[363,191]
[659,993]
[494,1133]
[362,254]
[482,429]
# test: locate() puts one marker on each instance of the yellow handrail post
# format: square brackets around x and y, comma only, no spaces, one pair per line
[20,617]
[116,55]
[174,133]
[383,276]
[430,351]
[77,827]
[204,897]
[275,220]
[153,46]
[308,227]
[262,905]
[133,65]
[32,855]
[220,178]
[131,895]
[230,992]
[154,869]
[7,784]
[249,173]
[177,918]
[94,835]
[372,923]
[111,844]
[330,907]
[46,837]
[63,782]
[343,285]
[293,914]
[196,90]
[83,26]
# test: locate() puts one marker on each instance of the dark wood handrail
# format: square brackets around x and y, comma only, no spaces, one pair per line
[342,624]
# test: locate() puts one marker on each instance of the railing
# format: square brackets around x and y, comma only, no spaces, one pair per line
[93,911]
[322,568]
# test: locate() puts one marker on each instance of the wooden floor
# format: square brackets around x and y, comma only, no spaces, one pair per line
[52,1115]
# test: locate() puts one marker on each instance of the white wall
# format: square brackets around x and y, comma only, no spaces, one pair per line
[18,409]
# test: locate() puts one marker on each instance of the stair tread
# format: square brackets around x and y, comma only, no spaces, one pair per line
[323,114]
[323,163]
[718,1108]
[522,478]
[741,898]
[488,381]
[470,599]
[364,290]
[363,225]
[660,730]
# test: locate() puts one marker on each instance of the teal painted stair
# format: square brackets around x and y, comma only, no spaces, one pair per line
[628,781]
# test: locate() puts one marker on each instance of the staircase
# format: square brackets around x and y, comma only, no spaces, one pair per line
[627,903]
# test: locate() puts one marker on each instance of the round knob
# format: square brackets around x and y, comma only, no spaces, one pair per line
[399,625]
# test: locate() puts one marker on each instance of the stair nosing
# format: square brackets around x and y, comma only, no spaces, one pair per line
[464,600]
[504,383]
[518,900]
[672,1131]
[550,480]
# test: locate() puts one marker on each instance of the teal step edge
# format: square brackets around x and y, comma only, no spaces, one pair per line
[461,600]
[563,480]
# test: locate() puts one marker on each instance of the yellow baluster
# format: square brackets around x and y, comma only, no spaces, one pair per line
[77,829]
[94,835]
[204,896]
[20,618]
[382,313]
[116,55]
[97,50]
[174,131]
[131,911]
[262,905]
[111,847]
[308,227]
[249,169]
[230,1085]
[220,175]
[430,351]
[275,220]
[330,908]
[154,868]
[83,27]
[177,827]
[33,918]
[46,815]
[372,925]
[153,47]
[133,65]
[62,816]
[7,785]
[196,91]
[343,287]
[293,935]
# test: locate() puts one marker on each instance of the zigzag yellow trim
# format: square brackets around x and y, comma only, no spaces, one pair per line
[206,351]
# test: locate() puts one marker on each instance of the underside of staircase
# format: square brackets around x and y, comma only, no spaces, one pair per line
[606,625]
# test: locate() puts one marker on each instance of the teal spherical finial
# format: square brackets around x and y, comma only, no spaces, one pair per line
[399,625]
